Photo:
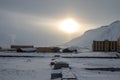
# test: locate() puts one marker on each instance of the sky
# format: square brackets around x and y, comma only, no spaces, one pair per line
[36,22]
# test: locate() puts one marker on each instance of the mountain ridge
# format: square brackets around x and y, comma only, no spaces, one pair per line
[108,32]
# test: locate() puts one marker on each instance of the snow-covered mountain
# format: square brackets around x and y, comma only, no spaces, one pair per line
[109,32]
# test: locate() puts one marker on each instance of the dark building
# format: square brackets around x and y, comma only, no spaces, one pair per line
[118,46]
[0,47]
[48,49]
[21,46]
[67,50]
[26,50]
[108,46]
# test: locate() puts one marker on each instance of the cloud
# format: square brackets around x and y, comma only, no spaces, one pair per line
[28,29]
[35,22]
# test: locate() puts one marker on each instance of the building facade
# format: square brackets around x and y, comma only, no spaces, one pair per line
[21,46]
[106,46]
[48,49]
[118,46]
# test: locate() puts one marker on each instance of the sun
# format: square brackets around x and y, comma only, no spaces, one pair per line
[69,26]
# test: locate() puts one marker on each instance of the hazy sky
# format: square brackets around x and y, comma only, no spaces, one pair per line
[36,21]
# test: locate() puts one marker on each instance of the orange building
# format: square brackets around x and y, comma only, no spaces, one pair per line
[48,49]
[108,46]
[22,46]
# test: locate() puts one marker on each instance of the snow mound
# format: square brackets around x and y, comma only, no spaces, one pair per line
[109,32]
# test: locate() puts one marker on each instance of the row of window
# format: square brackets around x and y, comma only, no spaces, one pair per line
[104,45]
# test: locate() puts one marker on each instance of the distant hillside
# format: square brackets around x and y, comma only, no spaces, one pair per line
[109,32]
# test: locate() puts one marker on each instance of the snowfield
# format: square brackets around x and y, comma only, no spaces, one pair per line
[79,66]
[35,67]
[24,69]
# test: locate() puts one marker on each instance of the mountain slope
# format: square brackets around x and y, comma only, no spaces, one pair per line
[110,32]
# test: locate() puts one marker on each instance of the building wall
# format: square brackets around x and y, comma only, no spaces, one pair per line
[105,46]
[48,49]
[118,46]
[44,49]
[22,46]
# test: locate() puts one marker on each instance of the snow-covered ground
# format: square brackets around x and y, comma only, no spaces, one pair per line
[79,66]
[83,54]
[24,68]
[93,55]
[37,68]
